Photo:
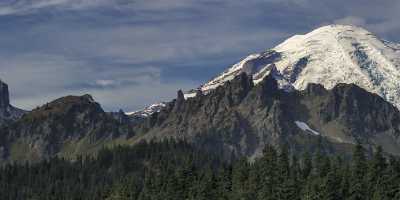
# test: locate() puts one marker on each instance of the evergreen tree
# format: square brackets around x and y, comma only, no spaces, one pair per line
[307,165]
[344,182]
[330,187]
[224,183]
[376,170]
[240,176]
[286,188]
[357,182]
[390,179]
[268,174]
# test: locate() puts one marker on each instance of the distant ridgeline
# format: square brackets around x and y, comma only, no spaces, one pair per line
[236,119]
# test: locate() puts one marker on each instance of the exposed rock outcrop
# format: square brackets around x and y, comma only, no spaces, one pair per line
[240,118]
[8,113]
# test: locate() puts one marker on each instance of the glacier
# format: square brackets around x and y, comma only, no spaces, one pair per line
[328,55]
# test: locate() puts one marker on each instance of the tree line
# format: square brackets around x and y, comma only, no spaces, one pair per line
[173,170]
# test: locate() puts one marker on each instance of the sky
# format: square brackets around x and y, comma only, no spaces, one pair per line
[131,53]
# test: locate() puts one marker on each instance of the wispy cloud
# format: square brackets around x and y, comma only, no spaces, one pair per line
[23,7]
[35,79]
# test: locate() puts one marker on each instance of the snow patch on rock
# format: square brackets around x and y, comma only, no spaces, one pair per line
[303,126]
[190,95]
[149,110]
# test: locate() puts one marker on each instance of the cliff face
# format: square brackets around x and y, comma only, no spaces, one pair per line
[4,96]
[8,113]
[241,118]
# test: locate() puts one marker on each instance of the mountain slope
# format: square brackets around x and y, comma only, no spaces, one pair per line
[67,127]
[328,55]
[237,118]
[241,118]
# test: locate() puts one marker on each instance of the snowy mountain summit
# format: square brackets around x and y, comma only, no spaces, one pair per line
[328,55]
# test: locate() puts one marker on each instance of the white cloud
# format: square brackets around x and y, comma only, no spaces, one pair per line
[35,79]
[21,7]
[105,83]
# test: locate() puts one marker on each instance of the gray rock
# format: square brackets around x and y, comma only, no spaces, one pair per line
[240,118]
[8,113]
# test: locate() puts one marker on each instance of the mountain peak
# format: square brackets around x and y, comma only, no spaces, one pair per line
[331,34]
[73,100]
[338,28]
[328,55]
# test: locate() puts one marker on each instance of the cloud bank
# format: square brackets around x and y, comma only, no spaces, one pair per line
[130,53]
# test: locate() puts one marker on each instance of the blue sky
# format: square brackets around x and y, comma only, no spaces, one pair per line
[131,53]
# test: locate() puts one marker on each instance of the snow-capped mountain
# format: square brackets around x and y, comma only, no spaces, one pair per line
[328,55]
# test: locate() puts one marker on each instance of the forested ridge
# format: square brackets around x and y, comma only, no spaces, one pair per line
[176,170]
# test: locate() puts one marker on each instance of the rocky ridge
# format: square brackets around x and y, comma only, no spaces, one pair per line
[240,118]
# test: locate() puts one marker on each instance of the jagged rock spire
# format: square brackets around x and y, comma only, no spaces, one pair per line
[180,99]
[7,112]
[4,95]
